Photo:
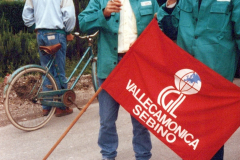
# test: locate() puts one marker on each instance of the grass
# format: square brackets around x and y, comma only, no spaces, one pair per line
[70,65]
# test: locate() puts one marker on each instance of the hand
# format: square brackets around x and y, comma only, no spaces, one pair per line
[131,44]
[112,6]
[169,2]
[70,37]
[155,15]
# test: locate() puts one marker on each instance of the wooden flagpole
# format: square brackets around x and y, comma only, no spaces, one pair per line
[73,123]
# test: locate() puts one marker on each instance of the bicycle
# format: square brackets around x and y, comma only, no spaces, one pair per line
[23,95]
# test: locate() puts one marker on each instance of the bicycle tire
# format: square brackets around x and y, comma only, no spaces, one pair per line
[94,74]
[23,111]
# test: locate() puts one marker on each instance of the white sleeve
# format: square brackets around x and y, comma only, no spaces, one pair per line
[68,12]
[28,13]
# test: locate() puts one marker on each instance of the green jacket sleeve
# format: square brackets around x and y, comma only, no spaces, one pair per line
[92,18]
[236,21]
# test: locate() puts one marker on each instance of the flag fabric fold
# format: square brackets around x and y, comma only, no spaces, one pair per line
[184,103]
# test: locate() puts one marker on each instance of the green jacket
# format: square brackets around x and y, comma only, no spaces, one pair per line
[211,34]
[92,19]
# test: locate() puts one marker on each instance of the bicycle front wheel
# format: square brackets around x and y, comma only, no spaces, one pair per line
[22,107]
[94,74]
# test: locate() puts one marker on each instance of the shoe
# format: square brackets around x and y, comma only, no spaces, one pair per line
[63,112]
[45,112]
[108,159]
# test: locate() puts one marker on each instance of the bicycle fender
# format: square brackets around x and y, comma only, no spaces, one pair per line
[16,72]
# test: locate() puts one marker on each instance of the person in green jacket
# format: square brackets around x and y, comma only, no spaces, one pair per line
[119,22]
[209,30]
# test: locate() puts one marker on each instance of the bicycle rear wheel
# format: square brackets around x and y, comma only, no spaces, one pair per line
[22,107]
[94,74]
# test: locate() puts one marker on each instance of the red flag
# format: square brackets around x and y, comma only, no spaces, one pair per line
[184,103]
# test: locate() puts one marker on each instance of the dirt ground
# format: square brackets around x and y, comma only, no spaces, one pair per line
[83,90]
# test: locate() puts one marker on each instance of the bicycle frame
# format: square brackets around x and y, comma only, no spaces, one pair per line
[61,92]
[89,50]
[91,55]
[48,95]
[24,97]
[44,95]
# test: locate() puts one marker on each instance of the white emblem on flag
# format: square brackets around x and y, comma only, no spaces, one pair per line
[187,82]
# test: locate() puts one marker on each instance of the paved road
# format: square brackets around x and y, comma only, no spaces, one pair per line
[81,142]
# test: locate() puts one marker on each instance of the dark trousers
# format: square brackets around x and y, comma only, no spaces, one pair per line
[219,154]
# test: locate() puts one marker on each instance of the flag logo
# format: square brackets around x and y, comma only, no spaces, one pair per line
[187,82]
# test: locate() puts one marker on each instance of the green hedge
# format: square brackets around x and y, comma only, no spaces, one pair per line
[16,49]
[12,11]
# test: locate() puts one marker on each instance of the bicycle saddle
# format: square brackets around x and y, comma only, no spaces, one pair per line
[50,49]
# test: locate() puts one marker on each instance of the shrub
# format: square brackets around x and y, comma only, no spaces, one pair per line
[12,11]
[15,49]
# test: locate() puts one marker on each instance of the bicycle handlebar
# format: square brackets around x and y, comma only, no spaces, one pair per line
[85,37]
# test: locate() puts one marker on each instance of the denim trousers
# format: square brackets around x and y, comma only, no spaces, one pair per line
[48,38]
[108,137]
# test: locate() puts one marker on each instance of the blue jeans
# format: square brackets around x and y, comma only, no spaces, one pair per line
[48,38]
[108,137]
